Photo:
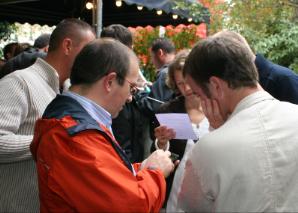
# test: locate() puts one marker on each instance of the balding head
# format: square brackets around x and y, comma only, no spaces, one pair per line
[236,36]
[102,56]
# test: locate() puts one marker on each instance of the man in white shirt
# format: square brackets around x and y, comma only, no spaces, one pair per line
[24,95]
[248,164]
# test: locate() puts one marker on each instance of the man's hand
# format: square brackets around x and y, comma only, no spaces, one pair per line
[211,111]
[160,160]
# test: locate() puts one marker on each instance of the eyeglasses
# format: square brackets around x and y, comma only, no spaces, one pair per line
[133,88]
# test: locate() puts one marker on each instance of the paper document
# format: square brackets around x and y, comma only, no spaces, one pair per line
[179,122]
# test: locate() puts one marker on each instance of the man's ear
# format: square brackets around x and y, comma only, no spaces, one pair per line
[67,45]
[46,49]
[216,87]
[159,53]
[109,81]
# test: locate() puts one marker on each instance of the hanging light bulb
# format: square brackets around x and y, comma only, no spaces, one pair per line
[89,5]
[175,16]
[189,19]
[118,3]
[140,7]
[159,12]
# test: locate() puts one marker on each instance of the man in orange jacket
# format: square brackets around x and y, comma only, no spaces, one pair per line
[81,167]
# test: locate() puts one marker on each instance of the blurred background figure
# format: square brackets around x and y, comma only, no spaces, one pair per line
[11,50]
[279,81]
[163,53]
[2,62]
[28,56]
[42,42]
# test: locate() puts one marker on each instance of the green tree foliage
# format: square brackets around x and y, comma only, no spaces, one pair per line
[6,29]
[196,11]
[270,26]
[281,47]
[256,18]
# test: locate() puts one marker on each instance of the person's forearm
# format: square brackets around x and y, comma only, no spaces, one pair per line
[15,148]
[16,132]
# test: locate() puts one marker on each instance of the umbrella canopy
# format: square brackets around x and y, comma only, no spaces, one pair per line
[51,12]
[169,7]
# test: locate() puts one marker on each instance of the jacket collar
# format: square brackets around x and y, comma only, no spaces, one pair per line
[63,106]
[251,100]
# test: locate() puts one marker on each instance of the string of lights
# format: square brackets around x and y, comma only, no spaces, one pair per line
[89,5]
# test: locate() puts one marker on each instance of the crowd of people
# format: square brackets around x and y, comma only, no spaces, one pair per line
[78,131]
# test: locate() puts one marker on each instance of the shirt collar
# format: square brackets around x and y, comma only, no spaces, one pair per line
[48,73]
[251,100]
[97,112]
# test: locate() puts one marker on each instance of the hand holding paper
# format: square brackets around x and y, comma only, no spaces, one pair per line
[163,134]
[179,122]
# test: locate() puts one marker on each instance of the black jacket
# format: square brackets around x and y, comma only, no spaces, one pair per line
[21,61]
[129,129]
[280,82]
[177,146]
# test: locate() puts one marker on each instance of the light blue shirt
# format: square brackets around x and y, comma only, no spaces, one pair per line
[97,112]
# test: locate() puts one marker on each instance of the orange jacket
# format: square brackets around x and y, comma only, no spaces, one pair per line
[81,168]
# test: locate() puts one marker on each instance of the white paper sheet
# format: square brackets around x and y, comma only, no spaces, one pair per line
[179,122]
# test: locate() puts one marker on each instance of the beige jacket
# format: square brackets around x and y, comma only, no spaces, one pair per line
[250,164]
